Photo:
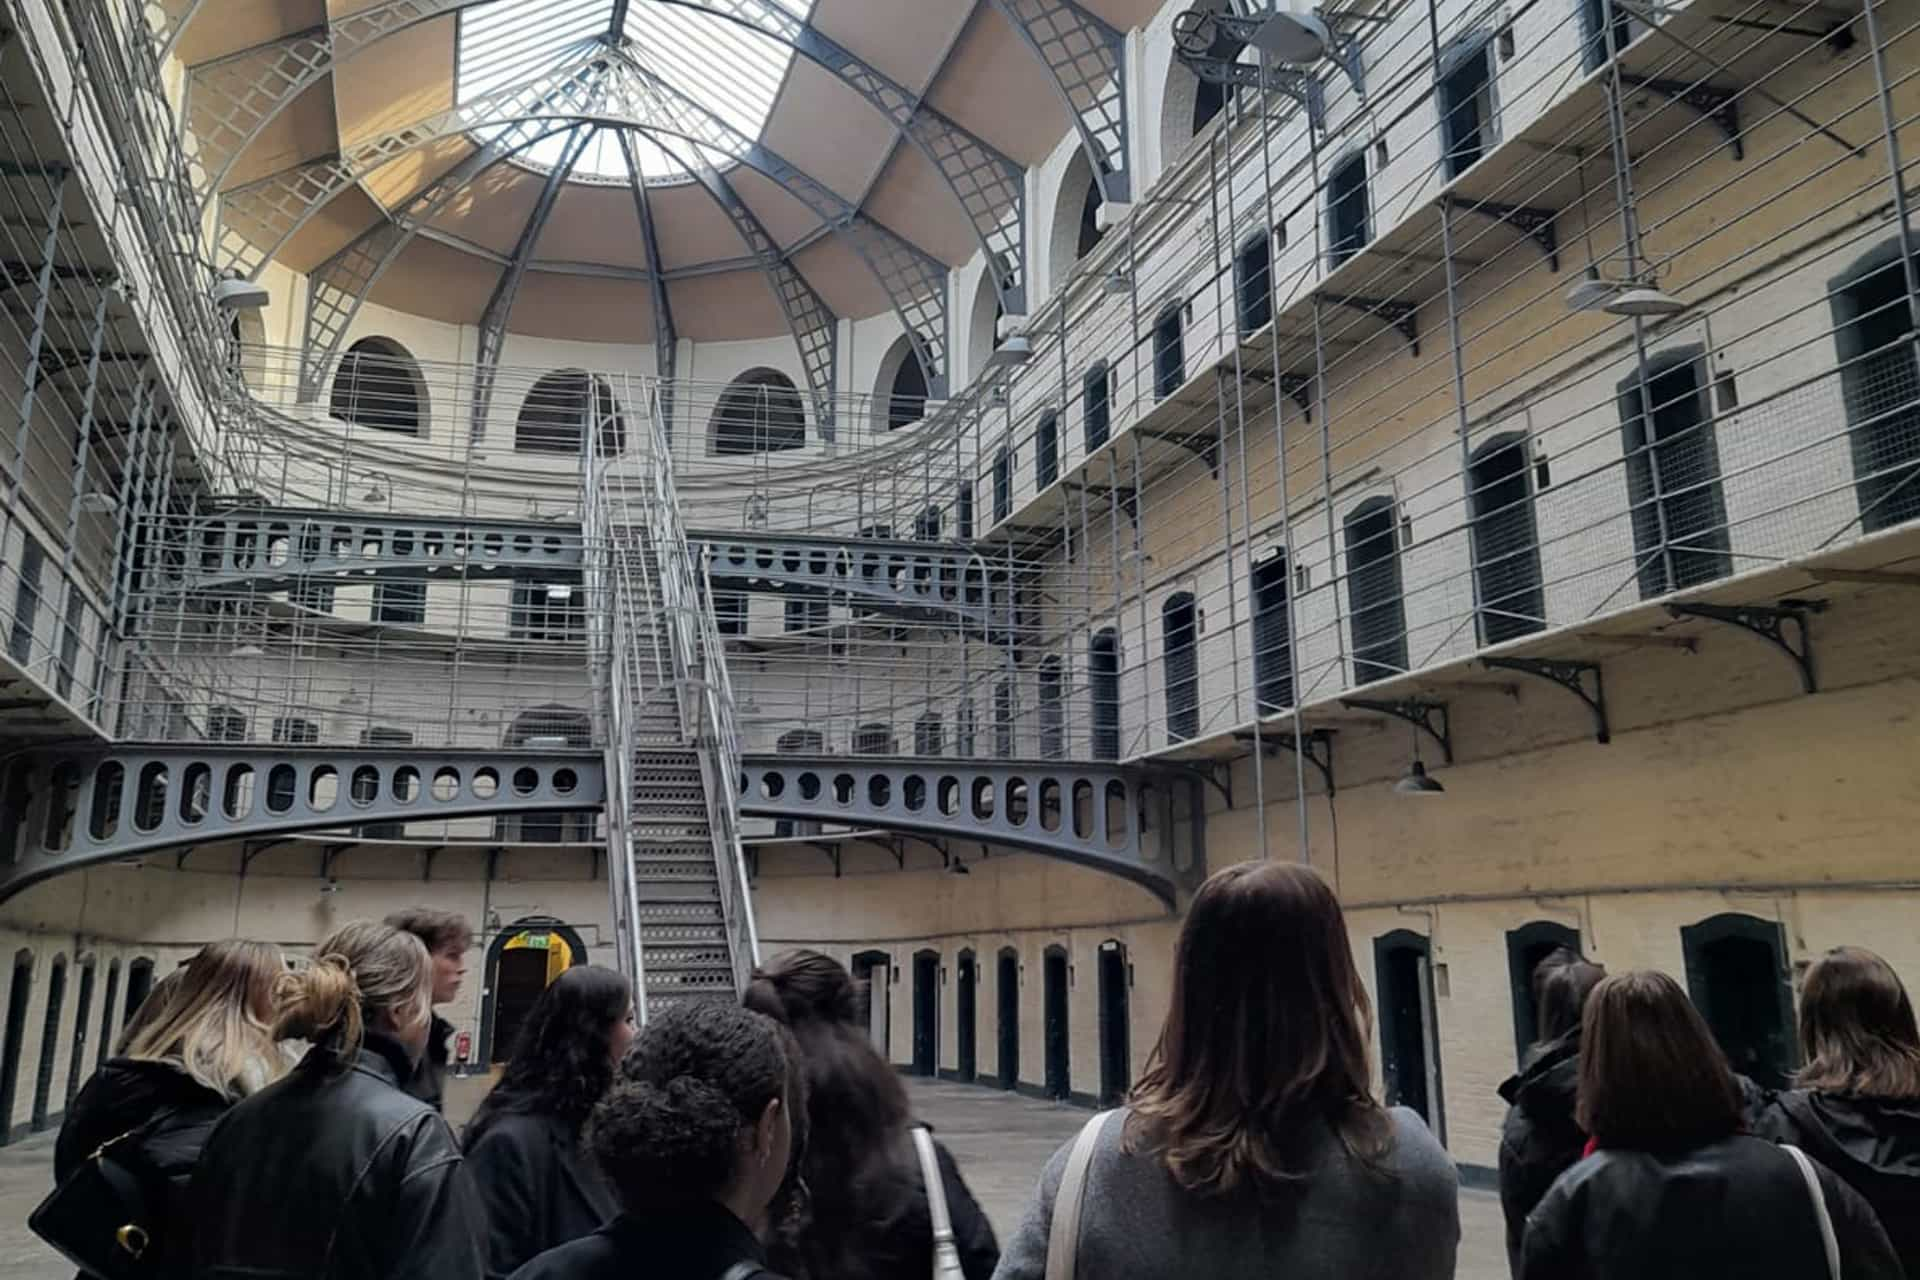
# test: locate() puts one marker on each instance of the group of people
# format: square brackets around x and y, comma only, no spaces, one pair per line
[769,1138]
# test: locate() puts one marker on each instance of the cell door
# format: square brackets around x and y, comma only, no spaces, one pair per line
[82,1014]
[518,981]
[1116,1070]
[1059,1073]
[1409,1057]
[1007,1019]
[965,996]
[1737,976]
[19,992]
[49,1043]
[926,1014]
[875,968]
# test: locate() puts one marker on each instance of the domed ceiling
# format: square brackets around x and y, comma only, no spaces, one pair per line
[604,170]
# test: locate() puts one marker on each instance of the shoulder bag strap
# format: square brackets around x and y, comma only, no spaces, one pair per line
[1063,1238]
[946,1255]
[1828,1240]
[742,1271]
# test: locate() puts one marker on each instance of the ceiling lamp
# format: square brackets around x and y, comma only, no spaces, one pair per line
[237,293]
[1417,783]
[247,649]
[1012,353]
[1643,301]
[1296,38]
[1118,283]
[1590,294]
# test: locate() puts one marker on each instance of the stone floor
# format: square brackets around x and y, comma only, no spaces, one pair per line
[1000,1140]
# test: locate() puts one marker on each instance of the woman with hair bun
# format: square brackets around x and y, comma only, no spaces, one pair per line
[697,1139]
[335,1172]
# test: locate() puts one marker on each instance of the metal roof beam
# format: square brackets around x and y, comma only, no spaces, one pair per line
[1087,63]
[666,334]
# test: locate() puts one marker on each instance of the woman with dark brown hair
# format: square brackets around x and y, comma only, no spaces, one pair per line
[1253,1145]
[1540,1137]
[1673,1188]
[869,1215]
[1857,1107]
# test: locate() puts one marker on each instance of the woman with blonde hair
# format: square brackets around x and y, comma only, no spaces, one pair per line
[1253,1146]
[201,1043]
[335,1171]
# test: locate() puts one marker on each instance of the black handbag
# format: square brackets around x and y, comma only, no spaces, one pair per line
[107,1216]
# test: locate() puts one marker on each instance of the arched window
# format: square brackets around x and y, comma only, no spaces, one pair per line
[1046,449]
[1179,630]
[926,525]
[1880,381]
[563,408]
[1103,679]
[1374,604]
[1053,710]
[1673,474]
[1466,104]
[983,325]
[1002,483]
[1272,636]
[1347,210]
[1253,281]
[1076,228]
[759,412]
[1506,543]
[874,740]
[1189,103]
[379,385]
[902,390]
[1169,351]
[1096,405]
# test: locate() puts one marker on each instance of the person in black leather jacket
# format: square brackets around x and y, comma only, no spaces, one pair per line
[335,1173]
[202,1043]
[1540,1137]
[1672,1188]
[869,1218]
[535,1179]
[698,1139]
[448,937]
[1857,1107]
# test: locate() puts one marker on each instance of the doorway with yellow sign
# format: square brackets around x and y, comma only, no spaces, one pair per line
[523,959]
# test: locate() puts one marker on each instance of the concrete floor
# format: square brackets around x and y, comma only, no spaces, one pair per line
[999,1139]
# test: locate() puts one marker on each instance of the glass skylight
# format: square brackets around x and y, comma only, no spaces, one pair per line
[727,68]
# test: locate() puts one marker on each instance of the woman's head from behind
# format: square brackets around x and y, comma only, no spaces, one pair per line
[1651,1076]
[802,986]
[363,976]
[1561,984]
[1857,1027]
[708,1106]
[211,1017]
[574,1036]
[1267,1030]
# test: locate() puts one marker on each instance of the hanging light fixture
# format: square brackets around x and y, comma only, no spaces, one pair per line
[247,649]
[1644,301]
[1417,783]
[1294,38]
[1118,283]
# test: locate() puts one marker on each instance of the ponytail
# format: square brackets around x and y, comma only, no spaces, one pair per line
[364,974]
[321,1005]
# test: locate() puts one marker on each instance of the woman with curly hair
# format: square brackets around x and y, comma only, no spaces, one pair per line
[523,1145]
[698,1140]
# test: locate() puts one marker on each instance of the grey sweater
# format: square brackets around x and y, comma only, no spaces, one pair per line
[1349,1222]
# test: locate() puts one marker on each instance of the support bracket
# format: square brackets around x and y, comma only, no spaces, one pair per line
[831,850]
[1722,106]
[1769,622]
[1432,717]
[1535,222]
[1571,676]
[1216,775]
[1202,447]
[1299,387]
[1404,316]
[1318,749]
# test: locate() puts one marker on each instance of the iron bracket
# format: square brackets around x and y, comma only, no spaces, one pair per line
[1769,622]
[1571,676]
[327,856]
[1216,775]
[1537,223]
[427,856]
[1318,753]
[1722,106]
[180,859]
[254,848]
[1433,717]
[1207,450]
[1300,387]
[831,850]
[1404,316]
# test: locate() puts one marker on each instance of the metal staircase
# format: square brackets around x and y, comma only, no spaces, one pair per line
[678,873]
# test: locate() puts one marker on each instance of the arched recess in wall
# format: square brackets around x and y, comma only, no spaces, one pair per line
[551,725]
[1006,995]
[900,392]
[1076,230]
[1739,978]
[379,385]
[760,412]
[1189,104]
[983,322]
[874,971]
[563,408]
[522,960]
[1527,947]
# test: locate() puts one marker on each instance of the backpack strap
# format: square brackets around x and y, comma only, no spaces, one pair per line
[743,1271]
[946,1254]
[1823,1219]
[1063,1236]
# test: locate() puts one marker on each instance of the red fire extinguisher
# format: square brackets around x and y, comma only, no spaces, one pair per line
[463,1046]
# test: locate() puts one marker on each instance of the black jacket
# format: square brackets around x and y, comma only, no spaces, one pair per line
[1539,1138]
[126,1094]
[538,1188]
[1738,1207]
[428,1082]
[701,1243]
[335,1175]
[1873,1145]
[892,1238]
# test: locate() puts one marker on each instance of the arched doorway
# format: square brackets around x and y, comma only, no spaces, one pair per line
[875,969]
[1116,1069]
[19,992]
[1409,1047]
[1527,946]
[522,960]
[965,995]
[760,412]
[1059,1073]
[1737,976]
[1007,1020]
[926,1013]
[82,1013]
[49,1042]
[139,987]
